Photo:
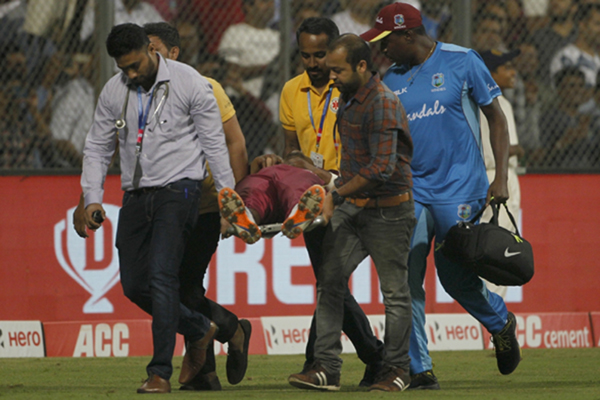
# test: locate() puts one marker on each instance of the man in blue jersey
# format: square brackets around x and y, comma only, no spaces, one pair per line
[442,87]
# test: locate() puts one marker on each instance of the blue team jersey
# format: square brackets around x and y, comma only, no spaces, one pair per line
[442,102]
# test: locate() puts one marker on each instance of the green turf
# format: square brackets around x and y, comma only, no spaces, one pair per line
[543,374]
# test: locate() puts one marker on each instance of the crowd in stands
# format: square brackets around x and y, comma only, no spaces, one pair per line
[49,80]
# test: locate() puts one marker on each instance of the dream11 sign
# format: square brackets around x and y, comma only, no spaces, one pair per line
[92,263]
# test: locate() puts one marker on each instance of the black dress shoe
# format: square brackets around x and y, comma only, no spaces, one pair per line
[155,384]
[195,355]
[237,360]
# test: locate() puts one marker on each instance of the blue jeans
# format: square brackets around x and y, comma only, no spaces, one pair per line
[352,234]
[434,221]
[154,226]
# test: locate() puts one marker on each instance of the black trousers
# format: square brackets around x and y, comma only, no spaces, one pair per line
[199,250]
[154,226]
[356,324]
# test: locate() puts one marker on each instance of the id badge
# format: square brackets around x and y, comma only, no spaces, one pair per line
[317,159]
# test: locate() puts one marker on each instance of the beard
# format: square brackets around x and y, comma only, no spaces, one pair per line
[349,88]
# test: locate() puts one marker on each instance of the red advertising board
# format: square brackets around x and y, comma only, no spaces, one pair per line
[120,338]
[48,273]
[552,331]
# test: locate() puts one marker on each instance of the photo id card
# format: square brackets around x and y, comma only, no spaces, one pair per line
[317,159]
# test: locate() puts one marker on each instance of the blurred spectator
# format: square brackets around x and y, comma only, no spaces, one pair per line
[12,16]
[445,32]
[168,9]
[583,53]
[256,121]
[566,132]
[15,136]
[527,114]
[214,67]
[595,141]
[73,109]
[192,50]
[215,17]
[250,46]
[358,15]
[134,11]
[271,89]
[516,28]
[535,12]
[508,14]
[494,10]
[559,32]
[7,6]
[25,142]
[488,33]
[434,13]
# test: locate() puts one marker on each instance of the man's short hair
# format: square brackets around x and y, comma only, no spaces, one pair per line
[125,38]
[357,50]
[317,26]
[167,33]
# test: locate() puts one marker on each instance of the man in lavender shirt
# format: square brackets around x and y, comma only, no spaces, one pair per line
[168,125]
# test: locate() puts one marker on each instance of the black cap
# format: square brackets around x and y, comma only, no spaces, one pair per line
[495,58]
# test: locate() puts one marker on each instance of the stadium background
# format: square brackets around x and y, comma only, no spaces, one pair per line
[53,63]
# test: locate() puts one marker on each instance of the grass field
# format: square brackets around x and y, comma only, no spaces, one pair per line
[543,374]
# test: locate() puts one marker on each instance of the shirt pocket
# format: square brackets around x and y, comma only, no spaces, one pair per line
[353,136]
[162,121]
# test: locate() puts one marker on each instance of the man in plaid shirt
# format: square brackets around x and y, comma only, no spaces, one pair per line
[374,216]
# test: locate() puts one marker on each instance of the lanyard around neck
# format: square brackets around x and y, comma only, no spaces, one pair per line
[142,119]
[319,132]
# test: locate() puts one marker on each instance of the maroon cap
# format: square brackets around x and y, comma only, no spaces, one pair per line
[395,17]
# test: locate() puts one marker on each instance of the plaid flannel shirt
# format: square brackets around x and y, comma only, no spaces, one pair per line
[376,141]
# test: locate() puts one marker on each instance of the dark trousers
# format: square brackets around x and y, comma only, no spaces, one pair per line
[356,325]
[154,227]
[199,250]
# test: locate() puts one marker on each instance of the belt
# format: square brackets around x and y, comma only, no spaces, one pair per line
[145,190]
[377,202]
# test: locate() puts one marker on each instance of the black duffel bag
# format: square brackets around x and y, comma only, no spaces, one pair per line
[492,252]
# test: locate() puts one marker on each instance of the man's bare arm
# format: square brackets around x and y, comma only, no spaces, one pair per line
[236,144]
[291,142]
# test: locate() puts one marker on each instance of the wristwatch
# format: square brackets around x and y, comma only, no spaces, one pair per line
[337,199]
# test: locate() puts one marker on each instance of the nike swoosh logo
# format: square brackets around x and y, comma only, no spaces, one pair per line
[509,254]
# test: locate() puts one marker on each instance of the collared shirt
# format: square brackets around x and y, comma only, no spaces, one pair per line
[294,116]
[376,140]
[179,138]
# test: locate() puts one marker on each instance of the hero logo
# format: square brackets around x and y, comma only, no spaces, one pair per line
[93,262]
[438,334]
[21,338]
